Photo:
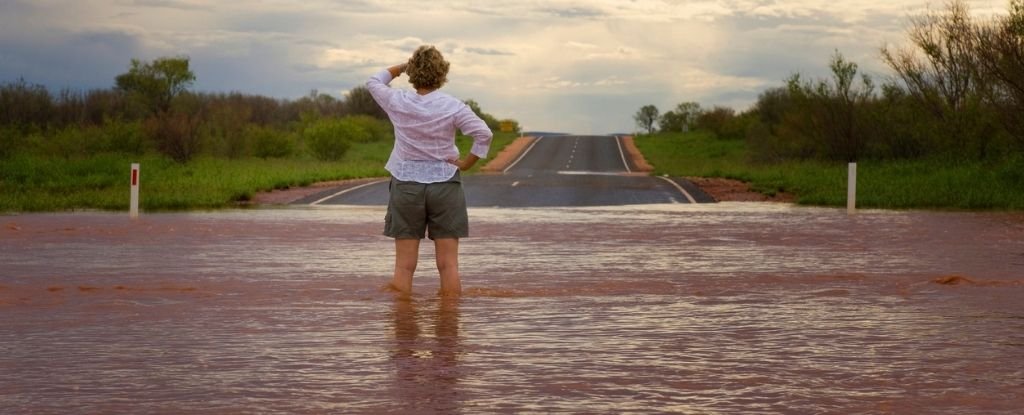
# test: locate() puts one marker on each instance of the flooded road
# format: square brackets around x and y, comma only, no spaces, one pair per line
[722,308]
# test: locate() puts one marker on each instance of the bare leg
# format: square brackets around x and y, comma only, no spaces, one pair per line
[448,266]
[407,254]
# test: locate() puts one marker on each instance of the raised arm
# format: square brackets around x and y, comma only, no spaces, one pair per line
[378,84]
[397,70]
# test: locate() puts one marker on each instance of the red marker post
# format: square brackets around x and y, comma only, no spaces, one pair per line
[134,209]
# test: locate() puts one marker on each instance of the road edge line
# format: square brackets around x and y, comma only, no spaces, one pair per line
[510,166]
[347,190]
[685,193]
[622,154]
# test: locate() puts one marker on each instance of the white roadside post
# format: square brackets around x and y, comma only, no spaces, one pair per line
[134,210]
[851,188]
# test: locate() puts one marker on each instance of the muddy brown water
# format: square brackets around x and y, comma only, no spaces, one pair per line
[725,308]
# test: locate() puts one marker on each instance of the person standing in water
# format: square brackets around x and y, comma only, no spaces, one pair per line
[426,196]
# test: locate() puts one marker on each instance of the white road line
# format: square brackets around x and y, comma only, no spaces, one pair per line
[515,183]
[622,154]
[346,191]
[588,173]
[684,192]
[535,141]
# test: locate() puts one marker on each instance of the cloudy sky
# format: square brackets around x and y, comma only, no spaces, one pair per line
[554,65]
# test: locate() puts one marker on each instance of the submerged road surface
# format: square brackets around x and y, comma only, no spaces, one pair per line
[732,308]
[561,170]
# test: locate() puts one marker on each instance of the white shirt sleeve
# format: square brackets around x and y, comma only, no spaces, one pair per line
[471,125]
[379,89]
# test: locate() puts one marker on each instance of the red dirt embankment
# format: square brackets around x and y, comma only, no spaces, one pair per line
[635,155]
[729,190]
[508,155]
[723,190]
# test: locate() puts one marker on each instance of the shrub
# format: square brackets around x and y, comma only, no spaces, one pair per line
[224,128]
[1012,172]
[683,118]
[23,104]
[510,125]
[176,134]
[74,141]
[329,139]
[10,141]
[268,142]
[104,104]
[717,120]
[329,148]
[378,129]
[124,137]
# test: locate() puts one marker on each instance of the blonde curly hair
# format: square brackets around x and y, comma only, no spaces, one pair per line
[427,68]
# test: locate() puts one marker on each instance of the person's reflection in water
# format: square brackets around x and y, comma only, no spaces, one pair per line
[427,370]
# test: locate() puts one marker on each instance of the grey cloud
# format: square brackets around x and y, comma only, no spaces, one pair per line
[280,21]
[773,48]
[574,12]
[747,21]
[270,67]
[886,22]
[17,7]
[774,61]
[474,8]
[362,6]
[406,44]
[172,4]
[485,51]
[306,68]
[305,41]
[75,60]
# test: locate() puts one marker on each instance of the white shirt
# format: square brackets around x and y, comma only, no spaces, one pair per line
[425,131]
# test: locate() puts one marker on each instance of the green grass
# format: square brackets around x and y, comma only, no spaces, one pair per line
[499,142]
[30,183]
[906,184]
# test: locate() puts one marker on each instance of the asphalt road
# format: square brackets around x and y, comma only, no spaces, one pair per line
[556,170]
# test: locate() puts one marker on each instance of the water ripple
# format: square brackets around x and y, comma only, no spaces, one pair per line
[728,308]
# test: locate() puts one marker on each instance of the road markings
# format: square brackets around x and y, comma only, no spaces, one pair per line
[515,183]
[681,190]
[622,154]
[346,191]
[588,173]
[522,155]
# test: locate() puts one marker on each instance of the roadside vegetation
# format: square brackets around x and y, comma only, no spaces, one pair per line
[891,184]
[943,131]
[72,149]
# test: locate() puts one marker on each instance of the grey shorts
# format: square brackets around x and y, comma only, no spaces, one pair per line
[416,208]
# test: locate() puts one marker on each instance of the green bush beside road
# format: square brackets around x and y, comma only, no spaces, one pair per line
[895,184]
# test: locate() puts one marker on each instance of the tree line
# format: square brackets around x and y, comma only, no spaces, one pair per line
[151,107]
[957,91]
